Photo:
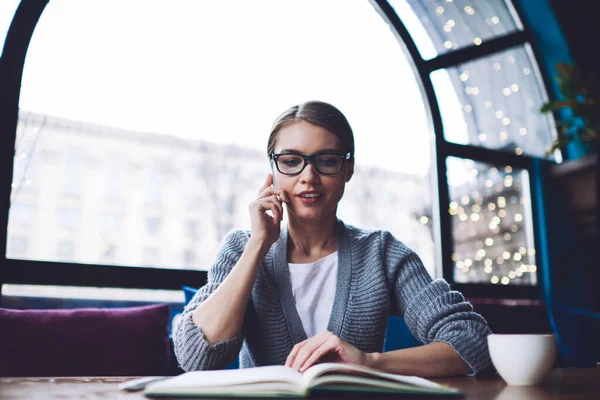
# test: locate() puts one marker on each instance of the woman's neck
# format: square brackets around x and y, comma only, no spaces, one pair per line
[308,242]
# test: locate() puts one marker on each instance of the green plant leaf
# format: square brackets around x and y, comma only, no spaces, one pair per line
[565,70]
[554,105]
[583,121]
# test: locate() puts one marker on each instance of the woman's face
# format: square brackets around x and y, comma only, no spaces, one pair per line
[325,190]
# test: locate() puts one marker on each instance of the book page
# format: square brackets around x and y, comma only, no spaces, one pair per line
[272,379]
[311,374]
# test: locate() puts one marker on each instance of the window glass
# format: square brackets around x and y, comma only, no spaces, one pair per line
[494,102]
[454,24]
[137,131]
[490,209]
[65,250]
[150,257]
[93,293]
[17,246]
[189,258]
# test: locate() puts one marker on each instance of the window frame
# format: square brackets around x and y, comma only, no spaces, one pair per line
[445,149]
[73,274]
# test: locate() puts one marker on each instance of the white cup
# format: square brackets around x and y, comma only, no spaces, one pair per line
[522,359]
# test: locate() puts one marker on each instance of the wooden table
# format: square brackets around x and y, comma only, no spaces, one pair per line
[559,384]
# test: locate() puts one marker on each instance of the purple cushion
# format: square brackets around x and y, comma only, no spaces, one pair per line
[85,342]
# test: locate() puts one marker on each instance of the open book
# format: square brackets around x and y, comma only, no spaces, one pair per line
[279,380]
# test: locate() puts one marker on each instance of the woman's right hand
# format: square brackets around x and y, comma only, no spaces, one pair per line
[266,229]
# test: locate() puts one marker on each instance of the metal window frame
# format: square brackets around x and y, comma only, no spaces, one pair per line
[70,274]
[446,149]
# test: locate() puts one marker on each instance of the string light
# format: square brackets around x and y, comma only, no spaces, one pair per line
[497,244]
[518,217]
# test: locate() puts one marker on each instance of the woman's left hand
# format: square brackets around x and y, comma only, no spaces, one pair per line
[325,347]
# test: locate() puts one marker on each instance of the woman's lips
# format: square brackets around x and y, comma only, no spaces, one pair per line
[310,197]
[309,200]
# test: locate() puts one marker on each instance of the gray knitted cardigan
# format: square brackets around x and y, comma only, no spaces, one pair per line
[377,276]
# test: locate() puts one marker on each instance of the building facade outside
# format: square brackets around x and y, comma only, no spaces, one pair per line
[87,193]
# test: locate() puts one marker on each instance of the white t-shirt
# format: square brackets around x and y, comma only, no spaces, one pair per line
[313,288]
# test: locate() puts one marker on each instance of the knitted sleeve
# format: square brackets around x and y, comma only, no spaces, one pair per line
[432,311]
[192,350]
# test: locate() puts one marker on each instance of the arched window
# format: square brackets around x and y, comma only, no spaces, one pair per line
[141,134]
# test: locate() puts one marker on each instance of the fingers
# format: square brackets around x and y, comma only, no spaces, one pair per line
[270,203]
[273,191]
[289,361]
[276,209]
[268,182]
[303,350]
[327,347]
[267,189]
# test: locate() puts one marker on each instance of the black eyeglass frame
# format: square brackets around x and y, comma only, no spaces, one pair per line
[310,157]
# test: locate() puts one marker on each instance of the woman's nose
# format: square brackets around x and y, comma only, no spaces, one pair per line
[309,174]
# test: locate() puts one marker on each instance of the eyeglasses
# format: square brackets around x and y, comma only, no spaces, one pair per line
[326,162]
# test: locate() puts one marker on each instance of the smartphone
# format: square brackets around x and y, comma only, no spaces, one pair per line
[275,185]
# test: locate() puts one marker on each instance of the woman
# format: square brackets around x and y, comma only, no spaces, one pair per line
[317,289]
